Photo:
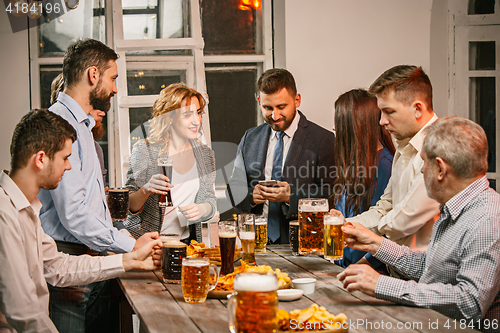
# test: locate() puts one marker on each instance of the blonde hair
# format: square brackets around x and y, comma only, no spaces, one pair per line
[168,102]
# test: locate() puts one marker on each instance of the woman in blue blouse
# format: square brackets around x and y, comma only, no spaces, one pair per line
[363,157]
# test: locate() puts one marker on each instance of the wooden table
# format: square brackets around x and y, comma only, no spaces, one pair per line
[161,307]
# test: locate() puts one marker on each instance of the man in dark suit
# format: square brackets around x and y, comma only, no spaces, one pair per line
[288,148]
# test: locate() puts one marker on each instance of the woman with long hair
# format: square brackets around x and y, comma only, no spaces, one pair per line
[174,133]
[363,158]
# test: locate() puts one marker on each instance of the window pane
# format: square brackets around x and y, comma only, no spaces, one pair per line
[232,26]
[149,19]
[482,55]
[151,82]
[479,7]
[47,74]
[493,184]
[483,106]
[84,21]
[138,117]
[232,101]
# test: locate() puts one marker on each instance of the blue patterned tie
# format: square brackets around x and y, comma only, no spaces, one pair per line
[274,207]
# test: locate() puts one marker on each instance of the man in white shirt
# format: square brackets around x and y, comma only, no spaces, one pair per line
[404,214]
[40,148]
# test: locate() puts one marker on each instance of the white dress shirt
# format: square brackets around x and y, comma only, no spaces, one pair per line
[29,259]
[404,213]
[287,142]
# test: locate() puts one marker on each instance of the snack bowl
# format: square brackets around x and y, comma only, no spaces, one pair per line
[290,294]
[305,284]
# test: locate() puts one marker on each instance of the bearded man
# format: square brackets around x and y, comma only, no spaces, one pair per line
[75,213]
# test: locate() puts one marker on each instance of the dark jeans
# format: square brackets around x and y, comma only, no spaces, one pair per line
[81,309]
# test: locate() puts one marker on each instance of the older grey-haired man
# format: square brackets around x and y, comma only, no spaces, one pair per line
[459,274]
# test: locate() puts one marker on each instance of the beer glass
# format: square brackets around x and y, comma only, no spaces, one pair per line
[260,233]
[227,242]
[334,236]
[253,307]
[196,279]
[246,232]
[165,168]
[118,204]
[294,237]
[171,258]
[311,213]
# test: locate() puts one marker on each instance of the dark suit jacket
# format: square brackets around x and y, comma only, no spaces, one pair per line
[309,169]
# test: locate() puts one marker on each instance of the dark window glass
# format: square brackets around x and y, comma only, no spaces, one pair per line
[149,82]
[482,55]
[493,184]
[232,26]
[47,74]
[481,7]
[138,117]
[483,105]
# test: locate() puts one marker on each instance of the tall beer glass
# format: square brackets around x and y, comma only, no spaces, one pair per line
[260,233]
[171,258]
[334,236]
[165,168]
[246,232]
[311,227]
[294,237]
[253,307]
[227,242]
[118,203]
[196,279]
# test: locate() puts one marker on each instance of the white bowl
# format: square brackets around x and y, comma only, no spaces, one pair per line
[305,284]
[289,294]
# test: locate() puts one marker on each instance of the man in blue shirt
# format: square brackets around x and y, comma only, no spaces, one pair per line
[75,214]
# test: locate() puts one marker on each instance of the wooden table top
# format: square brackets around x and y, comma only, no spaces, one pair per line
[161,307]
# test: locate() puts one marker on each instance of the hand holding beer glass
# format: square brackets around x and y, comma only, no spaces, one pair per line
[246,232]
[227,243]
[196,279]
[311,226]
[118,203]
[165,168]
[253,307]
[334,236]
[260,233]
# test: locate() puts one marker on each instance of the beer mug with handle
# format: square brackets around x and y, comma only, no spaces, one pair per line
[253,307]
[196,279]
[311,227]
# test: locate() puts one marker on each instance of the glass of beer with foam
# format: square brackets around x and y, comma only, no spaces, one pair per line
[227,243]
[246,233]
[333,236]
[311,227]
[260,233]
[196,279]
[253,307]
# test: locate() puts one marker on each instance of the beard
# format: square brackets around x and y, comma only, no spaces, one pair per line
[99,100]
[281,127]
[98,131]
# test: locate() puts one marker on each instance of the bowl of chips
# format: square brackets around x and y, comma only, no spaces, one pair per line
[315,319]
[225,286]
[199,250]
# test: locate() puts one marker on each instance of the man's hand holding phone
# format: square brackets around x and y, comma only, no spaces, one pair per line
[272,190]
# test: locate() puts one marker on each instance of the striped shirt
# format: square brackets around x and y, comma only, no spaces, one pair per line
[459,274]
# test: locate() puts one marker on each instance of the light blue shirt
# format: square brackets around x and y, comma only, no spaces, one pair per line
[76,211]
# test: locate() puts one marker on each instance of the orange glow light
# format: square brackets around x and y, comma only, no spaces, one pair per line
[249,4]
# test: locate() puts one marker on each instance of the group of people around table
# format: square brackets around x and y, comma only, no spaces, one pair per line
[423,224]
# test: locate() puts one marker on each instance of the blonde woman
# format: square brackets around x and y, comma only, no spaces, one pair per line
[174,132]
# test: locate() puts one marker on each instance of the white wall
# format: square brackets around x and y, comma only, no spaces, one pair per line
[14,86]
[333,46]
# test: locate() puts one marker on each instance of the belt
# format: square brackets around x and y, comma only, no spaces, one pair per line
[77,249]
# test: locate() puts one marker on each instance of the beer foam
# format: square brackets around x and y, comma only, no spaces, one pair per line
[118,190]
[333,220]
[227,234]
[314,209]
[247,235]
[195,263]
[255,282]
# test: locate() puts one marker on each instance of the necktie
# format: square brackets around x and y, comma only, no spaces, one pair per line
[274,207]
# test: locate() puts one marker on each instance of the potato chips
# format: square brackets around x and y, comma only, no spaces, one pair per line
[196,249]
[314,318]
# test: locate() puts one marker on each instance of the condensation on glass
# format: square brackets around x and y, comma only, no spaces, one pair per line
[482,55]
[481,7]
[482,108]
[85,21]
[232,26]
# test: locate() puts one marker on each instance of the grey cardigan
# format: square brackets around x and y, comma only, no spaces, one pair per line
[143,165]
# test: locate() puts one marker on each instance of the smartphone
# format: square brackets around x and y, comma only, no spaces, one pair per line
[270,183]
